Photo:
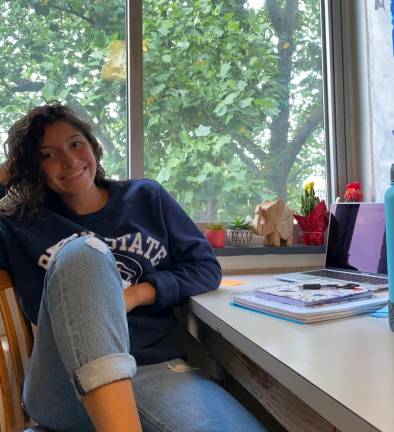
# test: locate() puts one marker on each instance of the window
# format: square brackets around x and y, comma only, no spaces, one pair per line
[233,95]
[232,91]
[380,43]
[71,51]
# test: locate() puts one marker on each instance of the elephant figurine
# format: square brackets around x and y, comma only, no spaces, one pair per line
[274,221]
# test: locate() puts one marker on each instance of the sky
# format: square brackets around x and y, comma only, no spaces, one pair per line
[256,3]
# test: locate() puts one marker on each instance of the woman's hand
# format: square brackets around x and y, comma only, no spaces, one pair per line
[141,294]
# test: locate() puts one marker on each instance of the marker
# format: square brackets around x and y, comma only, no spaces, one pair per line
[316,286]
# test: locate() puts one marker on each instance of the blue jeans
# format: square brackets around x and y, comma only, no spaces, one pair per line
[83,342]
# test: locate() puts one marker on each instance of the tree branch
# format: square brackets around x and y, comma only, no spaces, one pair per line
[306,164]
[283,21]
[303,133]
[249,146]
[290,15]
[242,141]
[243,144]
[28,86]
[73,12]
[275,15]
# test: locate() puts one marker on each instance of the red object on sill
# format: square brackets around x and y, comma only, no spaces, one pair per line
[313,238]
[314,224]
[216,238]
[353,192]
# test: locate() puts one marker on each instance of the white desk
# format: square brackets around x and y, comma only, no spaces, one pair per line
[343,369]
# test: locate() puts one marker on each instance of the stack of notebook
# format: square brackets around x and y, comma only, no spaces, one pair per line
[292,301]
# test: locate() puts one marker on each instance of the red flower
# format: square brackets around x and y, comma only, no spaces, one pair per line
[353,194]
[354,185]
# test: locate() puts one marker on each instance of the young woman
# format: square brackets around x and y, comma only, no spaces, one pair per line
[99,267]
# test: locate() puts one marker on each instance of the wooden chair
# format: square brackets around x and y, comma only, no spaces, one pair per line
[16,343]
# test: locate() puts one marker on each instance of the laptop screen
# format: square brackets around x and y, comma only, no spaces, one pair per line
[357,238]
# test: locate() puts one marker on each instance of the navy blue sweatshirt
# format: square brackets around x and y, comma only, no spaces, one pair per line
[152,239]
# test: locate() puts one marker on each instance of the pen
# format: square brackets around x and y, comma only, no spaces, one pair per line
[316,286]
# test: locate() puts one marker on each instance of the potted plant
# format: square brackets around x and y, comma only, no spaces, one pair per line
[216,234]
[240,231]
[313,219]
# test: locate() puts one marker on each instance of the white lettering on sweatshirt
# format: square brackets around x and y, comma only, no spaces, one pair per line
[134,244]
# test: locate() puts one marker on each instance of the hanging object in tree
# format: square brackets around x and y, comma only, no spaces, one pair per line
[114,67]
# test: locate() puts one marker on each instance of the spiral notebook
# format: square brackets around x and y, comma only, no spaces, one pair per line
[294,294]
[342,306]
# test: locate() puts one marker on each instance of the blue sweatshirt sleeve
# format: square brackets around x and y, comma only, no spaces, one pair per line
[3,256]
[194,268]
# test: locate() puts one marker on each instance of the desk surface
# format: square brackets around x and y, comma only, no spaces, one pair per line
[343,369]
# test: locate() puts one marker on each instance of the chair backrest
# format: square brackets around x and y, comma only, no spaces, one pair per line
[16,342]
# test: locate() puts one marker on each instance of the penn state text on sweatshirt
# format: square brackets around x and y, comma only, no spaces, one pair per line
[152,240]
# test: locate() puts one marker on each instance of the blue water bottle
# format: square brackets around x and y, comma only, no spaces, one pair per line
[389,216]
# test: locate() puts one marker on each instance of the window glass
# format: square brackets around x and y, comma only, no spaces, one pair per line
[380,49]
[233,97]
[70,51]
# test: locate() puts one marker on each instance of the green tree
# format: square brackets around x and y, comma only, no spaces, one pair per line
[56,50]
[233,110]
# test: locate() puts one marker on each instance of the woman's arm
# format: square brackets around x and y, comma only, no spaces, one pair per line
[194,269]
[142,294]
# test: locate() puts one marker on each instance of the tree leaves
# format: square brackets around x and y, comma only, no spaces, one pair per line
[221,93]
[202,131]
[57,52]
[224,70]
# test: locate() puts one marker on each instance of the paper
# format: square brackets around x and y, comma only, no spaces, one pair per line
[294,294]
[231,282]
[308,314]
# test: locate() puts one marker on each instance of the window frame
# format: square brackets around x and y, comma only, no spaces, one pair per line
[337,111]
[341,43]
[135,90]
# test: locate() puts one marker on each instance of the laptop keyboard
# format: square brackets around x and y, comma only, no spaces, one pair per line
[373,280]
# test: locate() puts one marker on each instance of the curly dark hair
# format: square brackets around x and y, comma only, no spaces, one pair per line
[25,185]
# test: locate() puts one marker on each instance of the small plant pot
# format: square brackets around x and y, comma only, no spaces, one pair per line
[216,238]
[239,237]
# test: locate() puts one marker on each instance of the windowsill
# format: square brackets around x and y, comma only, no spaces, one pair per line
[268,250]
[267,259]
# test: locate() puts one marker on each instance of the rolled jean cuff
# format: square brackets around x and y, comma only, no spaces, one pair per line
[104,370]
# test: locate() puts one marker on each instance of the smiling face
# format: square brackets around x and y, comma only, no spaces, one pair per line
[68,162]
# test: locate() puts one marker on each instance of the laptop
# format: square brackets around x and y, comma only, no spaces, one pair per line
[356,248]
